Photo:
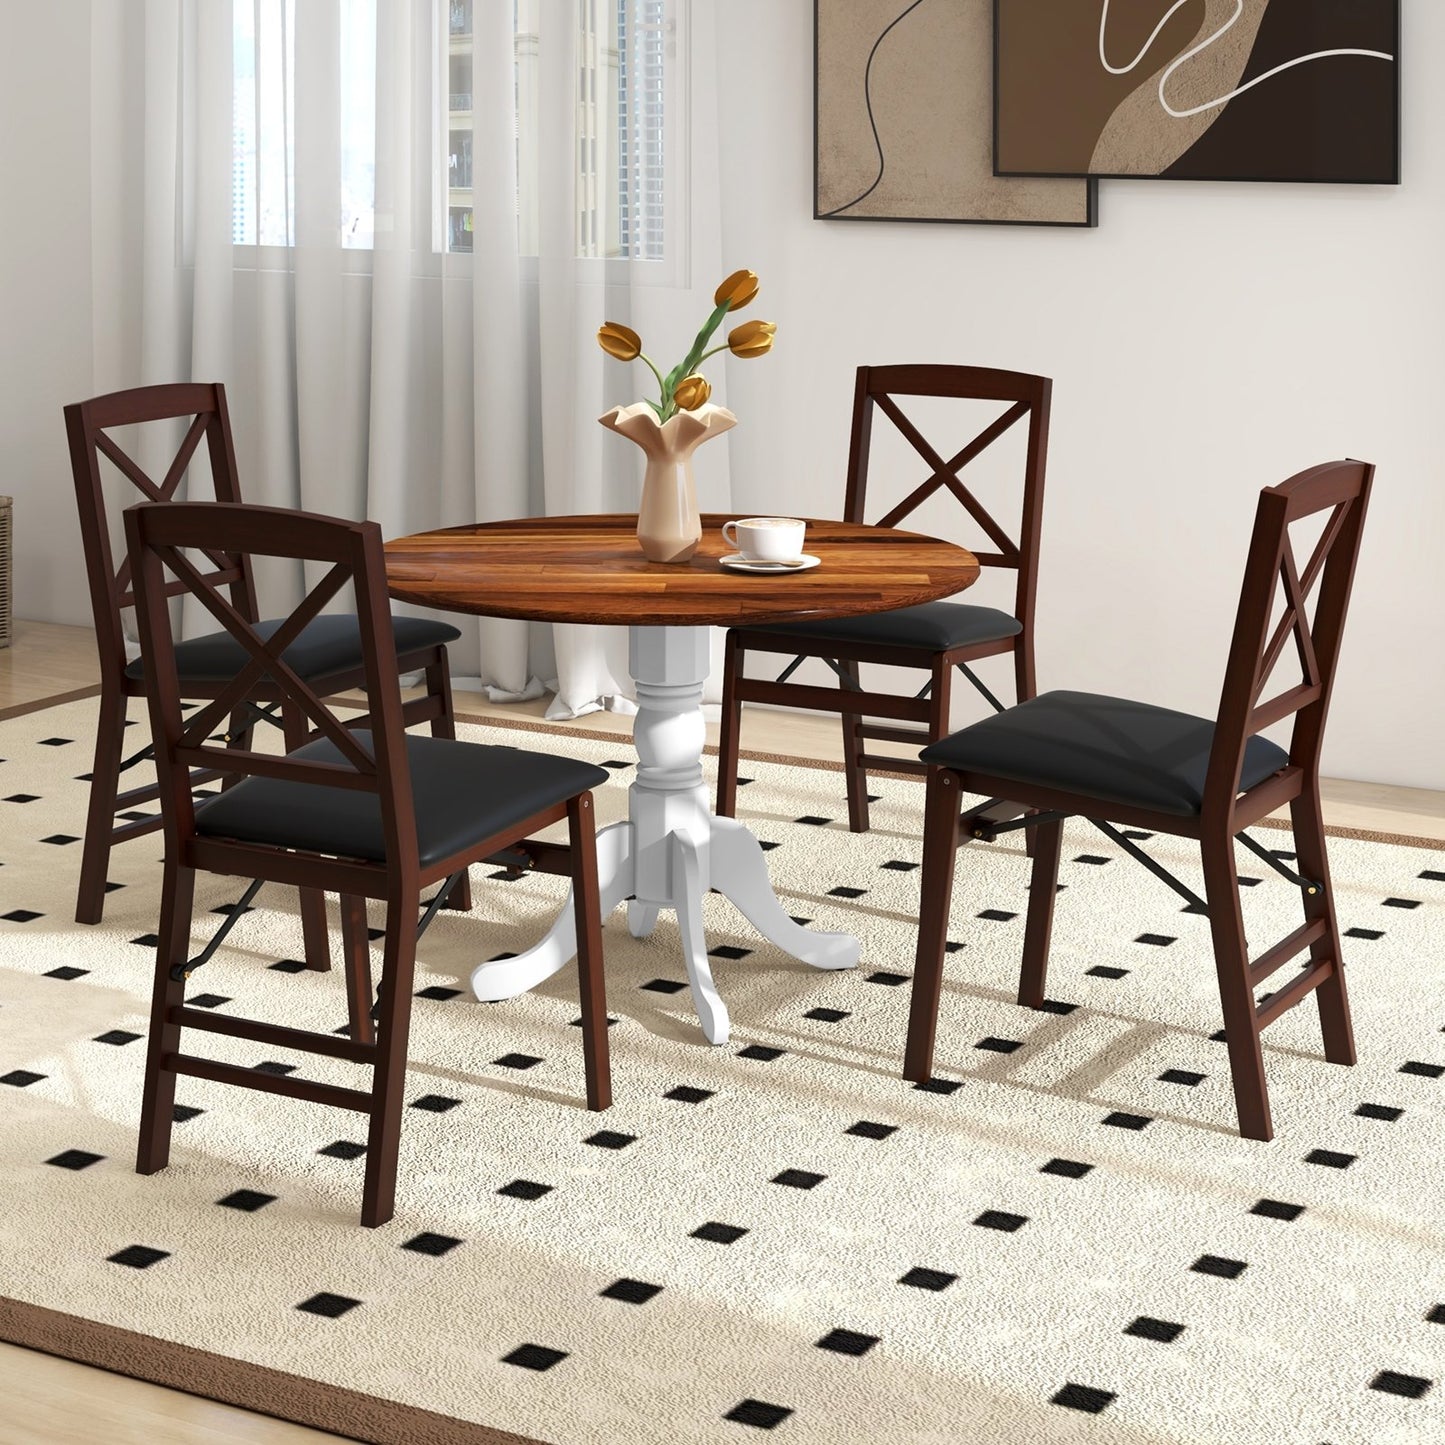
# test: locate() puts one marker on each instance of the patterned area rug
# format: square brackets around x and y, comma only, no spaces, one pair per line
[1059,1239]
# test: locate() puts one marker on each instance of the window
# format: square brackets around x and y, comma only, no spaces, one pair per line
[627,179]
[263,123]
[627,162]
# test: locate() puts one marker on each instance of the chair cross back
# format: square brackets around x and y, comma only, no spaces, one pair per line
[88,425]
[878,386]
[1061,761]
[266,662]
[936,637]
[329,652]
[362,842]
[156,534]
[1342,489]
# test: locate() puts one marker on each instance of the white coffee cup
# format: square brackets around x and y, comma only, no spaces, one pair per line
[767,539]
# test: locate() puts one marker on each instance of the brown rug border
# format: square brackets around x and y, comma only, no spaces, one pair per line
[258,1388]
[54,700]
[294,1398]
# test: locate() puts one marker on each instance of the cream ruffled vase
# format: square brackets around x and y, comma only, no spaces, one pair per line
[668,526]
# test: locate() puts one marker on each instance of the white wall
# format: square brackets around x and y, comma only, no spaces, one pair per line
[45,291]
[1205,341]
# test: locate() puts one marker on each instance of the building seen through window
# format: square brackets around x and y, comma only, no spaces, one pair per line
[623,53]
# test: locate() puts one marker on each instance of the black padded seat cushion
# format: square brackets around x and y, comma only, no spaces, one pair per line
[1108,748]
[331,643]
[462,792]
[937,626]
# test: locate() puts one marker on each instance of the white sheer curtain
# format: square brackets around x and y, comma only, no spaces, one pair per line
[407,383]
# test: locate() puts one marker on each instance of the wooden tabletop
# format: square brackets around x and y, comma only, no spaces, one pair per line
[590,569]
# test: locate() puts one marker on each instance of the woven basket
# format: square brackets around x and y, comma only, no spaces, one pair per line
[6,553]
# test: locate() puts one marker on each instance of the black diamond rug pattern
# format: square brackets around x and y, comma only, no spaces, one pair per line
[1059,1238]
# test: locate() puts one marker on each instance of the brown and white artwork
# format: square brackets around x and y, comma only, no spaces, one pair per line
[904,119]
[1280,90]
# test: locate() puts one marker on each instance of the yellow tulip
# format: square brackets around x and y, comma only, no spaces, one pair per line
[737,290]
[752,338]
[691,392]
[619,341]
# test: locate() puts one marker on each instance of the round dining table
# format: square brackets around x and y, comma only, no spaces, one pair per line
[672,849]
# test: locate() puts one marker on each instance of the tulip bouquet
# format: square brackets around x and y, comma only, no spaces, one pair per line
[684,388]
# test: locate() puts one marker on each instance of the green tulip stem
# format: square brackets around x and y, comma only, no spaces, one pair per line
[713,352]
[686,366]
[652,367]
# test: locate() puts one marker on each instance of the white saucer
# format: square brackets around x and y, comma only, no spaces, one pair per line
[736,562]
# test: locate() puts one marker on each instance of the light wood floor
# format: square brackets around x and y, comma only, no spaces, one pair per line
[58,1402]
[46,659]
[50,1401]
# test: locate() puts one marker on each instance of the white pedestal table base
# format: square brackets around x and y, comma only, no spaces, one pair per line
[673,849]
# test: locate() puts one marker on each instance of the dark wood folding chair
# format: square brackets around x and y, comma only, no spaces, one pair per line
[364,812]
[1069,754]
[327,654]
[936,637]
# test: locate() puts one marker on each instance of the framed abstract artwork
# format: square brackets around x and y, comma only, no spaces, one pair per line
[1241,90]
[903,115]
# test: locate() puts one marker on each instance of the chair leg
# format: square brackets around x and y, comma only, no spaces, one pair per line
[1043,889]
[100,818]
[940,698]
[356,951]
[316,945]
[1307,818]
[1024,689]
[592,985]
[940,845]
[158,1098]
[1236,996]
[853,769]
[383,1139]
[444,725]
[729,731]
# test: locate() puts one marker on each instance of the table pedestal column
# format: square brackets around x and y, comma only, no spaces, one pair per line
[673,849]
